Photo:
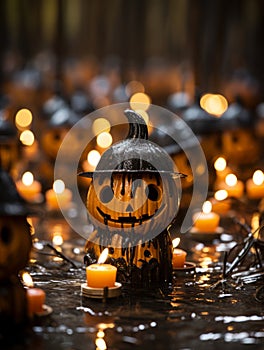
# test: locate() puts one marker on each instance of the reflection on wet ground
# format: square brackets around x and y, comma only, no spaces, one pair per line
[189,314]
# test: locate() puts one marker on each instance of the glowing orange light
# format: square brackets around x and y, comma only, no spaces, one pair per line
[101,125]
[140,101]
[103,256]
[27,137]
[23,118]
[176,242]
[207,207]
[27,280]
[258,177]
[221,195]
[231,180]
[104,139]
[214,104]
[27,178]
[93,157]
[220,164]
[58,186]
[133,87]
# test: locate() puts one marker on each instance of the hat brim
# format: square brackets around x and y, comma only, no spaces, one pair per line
[172,174]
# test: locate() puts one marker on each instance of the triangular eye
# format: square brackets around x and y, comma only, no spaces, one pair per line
[106,194]
[153,192]
[5,235]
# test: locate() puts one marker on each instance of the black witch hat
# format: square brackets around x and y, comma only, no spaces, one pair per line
[135,154]
[11,203]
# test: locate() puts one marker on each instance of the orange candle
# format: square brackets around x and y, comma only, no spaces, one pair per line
[35,300]
[221,168]
[178,258]
[207,221]
[101,275]
[220,203]
[234,187]
[255,186]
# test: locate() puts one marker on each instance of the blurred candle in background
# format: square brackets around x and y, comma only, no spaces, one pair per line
[29,188]
[234,187]
[255,186]
[221,169]
[35,296]
[59,196]
[206,221]
[220,202]
[179,255]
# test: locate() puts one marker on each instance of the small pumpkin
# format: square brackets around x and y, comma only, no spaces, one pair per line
[131,203]
[15,246]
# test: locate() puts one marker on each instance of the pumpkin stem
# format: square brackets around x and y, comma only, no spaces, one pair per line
[137,126]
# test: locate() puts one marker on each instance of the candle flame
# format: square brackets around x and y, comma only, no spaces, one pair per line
[93,157]
[102,258]
[58,186]
[221,195]
[258,177]
[27,137]
[176,242]
[57,238]
[231,180]
[27,178]
[207,207]
[220,164]
[27,279]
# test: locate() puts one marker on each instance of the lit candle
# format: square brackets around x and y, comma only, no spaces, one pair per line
[35,296]
[101,275]
[35,300]
[206,221]
[221,168]
[220,202]
[179,255]
[234,187]
[255,186]
[29,188]
[59,196]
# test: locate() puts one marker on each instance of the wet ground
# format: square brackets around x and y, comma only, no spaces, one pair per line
[192,313]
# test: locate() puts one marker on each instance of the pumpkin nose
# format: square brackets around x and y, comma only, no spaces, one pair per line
[129,208]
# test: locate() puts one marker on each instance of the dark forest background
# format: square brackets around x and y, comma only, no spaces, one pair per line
[214,37]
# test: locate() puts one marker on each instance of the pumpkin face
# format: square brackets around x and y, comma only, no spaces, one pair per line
[15,245]
[123,201]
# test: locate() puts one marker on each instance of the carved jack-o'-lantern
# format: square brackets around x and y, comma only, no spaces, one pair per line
[15,245]
[131,200]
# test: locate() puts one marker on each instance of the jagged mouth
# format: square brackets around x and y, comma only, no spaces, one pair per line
[132,220]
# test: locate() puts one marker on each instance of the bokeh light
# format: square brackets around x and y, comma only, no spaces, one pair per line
[23,118]
[101,125]
[58,186]
[214,104]
[140,101]
[27,137]
[93,157]
[220,164]
[27,178]
[104,139]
